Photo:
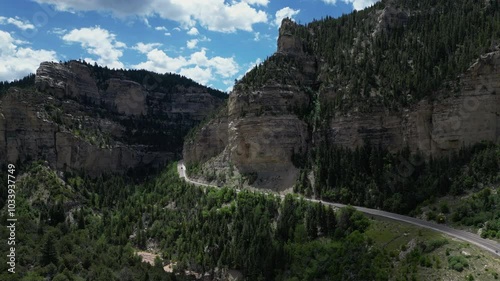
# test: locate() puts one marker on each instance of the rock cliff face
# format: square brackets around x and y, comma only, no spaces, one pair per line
[468,115]
[258,142]
[264,133]
[75,124]
[252,142]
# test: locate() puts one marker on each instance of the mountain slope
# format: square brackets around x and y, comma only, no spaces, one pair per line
[422,74]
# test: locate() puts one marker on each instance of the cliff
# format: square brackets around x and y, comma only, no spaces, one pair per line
[308,93]
[82,117]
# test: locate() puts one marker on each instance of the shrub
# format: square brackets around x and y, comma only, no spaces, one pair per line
[445,209]
[458,263]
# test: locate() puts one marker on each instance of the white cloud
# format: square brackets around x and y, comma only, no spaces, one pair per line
[160,62]
[215,15]
[286,12]
[256,36]
[193,31]
[146,22]
[161,28]
[99,42]
[58,31]
[191,44]
[23,25]
[257,2]
[357,4]
[167,33]
[225,67]
[198,74]
[18,62]
[197,66]
[145,48]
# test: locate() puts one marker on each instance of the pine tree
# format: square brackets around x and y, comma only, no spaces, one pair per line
[49,252]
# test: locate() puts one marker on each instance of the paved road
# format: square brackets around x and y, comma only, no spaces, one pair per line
[486,244]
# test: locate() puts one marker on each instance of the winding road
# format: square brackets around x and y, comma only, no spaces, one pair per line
[486,244]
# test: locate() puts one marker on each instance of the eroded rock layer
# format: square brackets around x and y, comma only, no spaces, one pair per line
[76,120]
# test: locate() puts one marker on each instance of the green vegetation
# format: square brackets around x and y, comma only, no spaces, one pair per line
[421,254]
[79,228]
[399,182]
[458,263]
[25,82]
[168,82]
[396,66]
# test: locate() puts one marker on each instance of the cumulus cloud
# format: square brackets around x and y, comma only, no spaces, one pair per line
[18,61]
[23,25]
[215,15]
[144,48]
[99,42]
[193,31]
[197,66]
[191,44]
[256,36]
[201,75]
[58,31]
[225,67]
[159,61]
[257,2]
[286,12]
[357,4]
[161,28]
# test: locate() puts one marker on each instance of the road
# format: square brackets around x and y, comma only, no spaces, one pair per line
[486,244]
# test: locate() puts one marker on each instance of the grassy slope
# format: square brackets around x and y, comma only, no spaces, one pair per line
[400,238]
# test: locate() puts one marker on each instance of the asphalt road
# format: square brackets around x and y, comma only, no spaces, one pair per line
[486,244]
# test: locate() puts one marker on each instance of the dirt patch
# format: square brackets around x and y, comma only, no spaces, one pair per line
[147,257]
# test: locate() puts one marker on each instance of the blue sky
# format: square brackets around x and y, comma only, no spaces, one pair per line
[213,42]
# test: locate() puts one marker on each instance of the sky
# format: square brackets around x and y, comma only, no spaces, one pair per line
[212,42]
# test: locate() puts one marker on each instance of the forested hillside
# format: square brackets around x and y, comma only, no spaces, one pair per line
[78,228]
[399,182]
[393,54]
[73,227]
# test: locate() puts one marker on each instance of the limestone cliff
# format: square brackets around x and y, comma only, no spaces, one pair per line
[280,111]
[79,120]
[449,121]
[253,140]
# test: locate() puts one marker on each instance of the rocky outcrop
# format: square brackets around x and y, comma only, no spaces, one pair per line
[253,142]
[209,141]
[288,43]
[75,125]
[71,80]
[264,133]
[470,115]
[391,17]
[129,97]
